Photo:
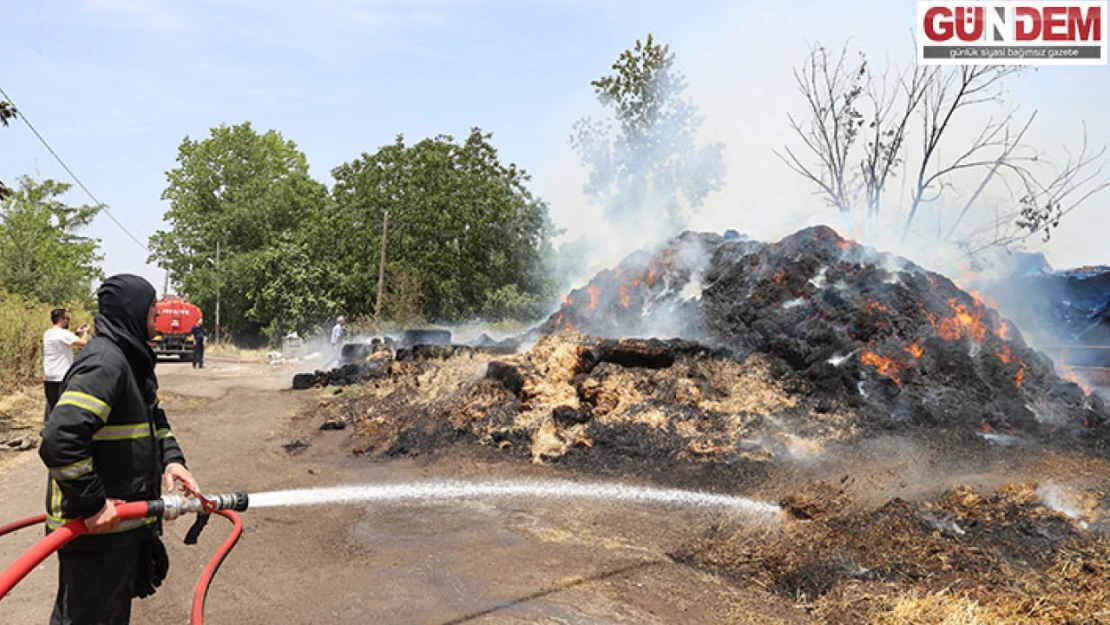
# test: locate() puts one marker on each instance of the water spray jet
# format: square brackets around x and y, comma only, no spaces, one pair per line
[173,506]
[449,490]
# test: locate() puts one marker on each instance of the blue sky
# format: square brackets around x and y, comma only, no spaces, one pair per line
[115,85]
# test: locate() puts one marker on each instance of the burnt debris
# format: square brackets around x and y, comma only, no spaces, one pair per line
[367,361]
[360,362]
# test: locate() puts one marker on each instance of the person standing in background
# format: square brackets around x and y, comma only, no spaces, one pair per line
[198,345]
[58,344]
[337,340]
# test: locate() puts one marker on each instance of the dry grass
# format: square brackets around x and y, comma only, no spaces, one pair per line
[231,352]
[941,608]
[21,411]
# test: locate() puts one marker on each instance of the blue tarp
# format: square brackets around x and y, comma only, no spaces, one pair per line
[1070,306]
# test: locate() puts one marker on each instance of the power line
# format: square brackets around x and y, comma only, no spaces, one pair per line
[69,171]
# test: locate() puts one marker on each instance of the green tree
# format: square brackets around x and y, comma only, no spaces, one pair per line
[464,230]
[651,164]
[248,193]
[42,256]
[288,287]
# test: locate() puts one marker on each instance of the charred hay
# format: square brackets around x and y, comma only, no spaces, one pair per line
[573,396]
[364,362]
[1006,552]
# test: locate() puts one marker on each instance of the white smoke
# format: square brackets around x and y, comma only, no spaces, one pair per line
[1060,500]
[741,78]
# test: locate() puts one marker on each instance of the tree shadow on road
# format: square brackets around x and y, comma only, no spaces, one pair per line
[557,588]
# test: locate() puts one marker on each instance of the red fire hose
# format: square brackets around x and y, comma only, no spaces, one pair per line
[54,541]
[18,525]
[127,512]
[201,591]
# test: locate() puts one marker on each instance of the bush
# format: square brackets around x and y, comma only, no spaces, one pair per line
[508,302]
[22,322]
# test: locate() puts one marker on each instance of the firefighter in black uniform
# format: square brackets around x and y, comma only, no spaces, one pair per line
[108,441]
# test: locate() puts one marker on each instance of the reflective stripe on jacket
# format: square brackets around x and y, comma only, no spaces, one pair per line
[104,440]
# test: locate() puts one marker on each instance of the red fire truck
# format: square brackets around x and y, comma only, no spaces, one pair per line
[174,326]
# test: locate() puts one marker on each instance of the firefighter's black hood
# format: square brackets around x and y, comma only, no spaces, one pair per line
[124,301]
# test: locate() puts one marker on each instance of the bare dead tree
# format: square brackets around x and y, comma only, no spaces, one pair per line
[857,130]
[1043,198]
[947,91]
[1005,160]
[892,103]
[831,87]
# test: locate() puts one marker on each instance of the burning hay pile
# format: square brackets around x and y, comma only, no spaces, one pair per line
[968,558]
[862,329]
[815,340]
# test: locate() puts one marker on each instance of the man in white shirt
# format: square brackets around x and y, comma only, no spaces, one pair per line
[57,354]
[337,341]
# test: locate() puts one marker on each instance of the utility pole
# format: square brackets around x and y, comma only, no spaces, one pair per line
[219,278]
[381,268]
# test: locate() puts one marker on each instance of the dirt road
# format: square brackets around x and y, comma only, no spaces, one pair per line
[476,562]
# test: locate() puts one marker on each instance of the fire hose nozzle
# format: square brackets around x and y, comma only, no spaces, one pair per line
[174,506]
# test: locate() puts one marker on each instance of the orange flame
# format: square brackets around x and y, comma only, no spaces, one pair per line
[965,323]
[1005,354]
[1069,374]
[917,350]
[593,291]
[889,367]
[872,307]
[623,294]
[970,322]
[780,276]
[949,329]
[844,244]
[651,273]
[1003,331]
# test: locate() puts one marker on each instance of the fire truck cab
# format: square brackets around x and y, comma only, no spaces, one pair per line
[174,326]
